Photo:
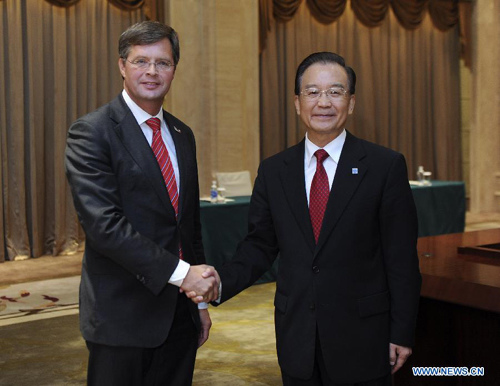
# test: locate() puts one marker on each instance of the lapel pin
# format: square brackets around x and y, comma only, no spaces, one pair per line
[354,170]
[176,129]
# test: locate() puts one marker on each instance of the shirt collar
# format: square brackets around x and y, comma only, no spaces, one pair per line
[139,114]
[333,148]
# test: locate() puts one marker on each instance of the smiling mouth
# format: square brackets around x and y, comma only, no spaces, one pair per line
[324,115]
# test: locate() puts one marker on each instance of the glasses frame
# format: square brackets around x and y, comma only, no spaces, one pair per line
[146,65]
[343,93]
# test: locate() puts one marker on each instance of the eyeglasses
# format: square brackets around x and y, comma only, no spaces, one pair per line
[313,93]
[161,66]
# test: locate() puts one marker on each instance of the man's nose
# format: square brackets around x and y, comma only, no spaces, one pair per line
[324,100]
[152,65]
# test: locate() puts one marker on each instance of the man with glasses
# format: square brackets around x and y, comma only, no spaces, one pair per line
[133,174]
[340,213]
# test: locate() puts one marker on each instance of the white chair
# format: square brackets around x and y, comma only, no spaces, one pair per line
[235,183]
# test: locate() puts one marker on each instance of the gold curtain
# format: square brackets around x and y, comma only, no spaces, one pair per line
[60,63]
[410,13]
[445,14]
[152,9]
[123,4]
[127,4]
[63,3]
[370,12]
[407,96]
[326,11]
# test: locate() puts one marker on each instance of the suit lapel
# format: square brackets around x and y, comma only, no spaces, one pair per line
[181,149]
[293,181]
[350,172]
[132,137]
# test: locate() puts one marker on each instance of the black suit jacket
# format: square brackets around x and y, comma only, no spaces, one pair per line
[132,235]
[359,287]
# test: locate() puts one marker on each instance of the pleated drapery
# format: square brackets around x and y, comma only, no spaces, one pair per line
[59,63]
[410,13]
[445,14]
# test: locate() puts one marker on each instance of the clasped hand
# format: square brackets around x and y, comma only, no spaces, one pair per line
[201,283]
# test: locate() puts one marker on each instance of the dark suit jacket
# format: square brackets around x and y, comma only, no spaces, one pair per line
[359,287]
[132,236]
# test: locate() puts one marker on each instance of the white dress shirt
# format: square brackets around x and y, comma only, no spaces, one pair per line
[141,117]
[333,148]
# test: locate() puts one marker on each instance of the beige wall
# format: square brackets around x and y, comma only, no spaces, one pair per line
[485,108]
[216,86]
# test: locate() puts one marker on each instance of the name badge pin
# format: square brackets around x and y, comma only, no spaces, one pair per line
[176,129]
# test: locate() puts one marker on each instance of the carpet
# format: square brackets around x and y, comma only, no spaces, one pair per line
[49,350]
[25,302]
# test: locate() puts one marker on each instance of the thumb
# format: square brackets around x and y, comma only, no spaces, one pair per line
[392,354]
[207,273]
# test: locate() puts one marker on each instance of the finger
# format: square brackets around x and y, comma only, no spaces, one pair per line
[401,359]
[197,299]
[203,337]
[392,354]
[210,271]
[397,366]
[191,294]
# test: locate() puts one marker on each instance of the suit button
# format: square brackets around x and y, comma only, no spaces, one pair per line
[316,269]
[312,306]
[141,278]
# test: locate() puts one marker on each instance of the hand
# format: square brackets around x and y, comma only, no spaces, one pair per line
[398,356]
[201,283]
[206,323]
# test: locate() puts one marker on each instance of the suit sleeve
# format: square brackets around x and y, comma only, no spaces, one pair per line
[96,195]
[256,253]
[399,232]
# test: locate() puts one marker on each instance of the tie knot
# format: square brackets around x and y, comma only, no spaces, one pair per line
[154,123]
[321,155]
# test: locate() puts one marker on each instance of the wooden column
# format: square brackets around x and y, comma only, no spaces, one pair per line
[485,122]
[216,85]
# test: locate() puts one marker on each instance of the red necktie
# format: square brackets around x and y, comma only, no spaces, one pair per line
[320,190]
[167,170]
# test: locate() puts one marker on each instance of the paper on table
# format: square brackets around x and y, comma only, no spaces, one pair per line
[207,198]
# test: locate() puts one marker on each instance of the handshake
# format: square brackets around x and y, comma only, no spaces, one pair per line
[201,284]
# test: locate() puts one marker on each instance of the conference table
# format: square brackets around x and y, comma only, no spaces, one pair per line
[459,316]
[440,210]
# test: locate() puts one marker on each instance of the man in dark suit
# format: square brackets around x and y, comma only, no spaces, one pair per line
[133,174]
[340,213]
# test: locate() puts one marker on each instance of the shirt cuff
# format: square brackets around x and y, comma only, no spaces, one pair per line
[180,273]
[202,306]
[220,293]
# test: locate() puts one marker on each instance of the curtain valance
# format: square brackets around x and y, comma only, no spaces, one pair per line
[153,9]
[445,14]
[410,13]
[122,4]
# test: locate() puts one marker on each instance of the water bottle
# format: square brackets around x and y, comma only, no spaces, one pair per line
[420,175]
[213,192]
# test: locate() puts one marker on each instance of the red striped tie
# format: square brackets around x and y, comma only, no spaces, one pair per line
[320,190]
[167,170]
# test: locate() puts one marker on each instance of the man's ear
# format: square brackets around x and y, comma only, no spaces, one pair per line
[352,102]
[297,104]
[121,66]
